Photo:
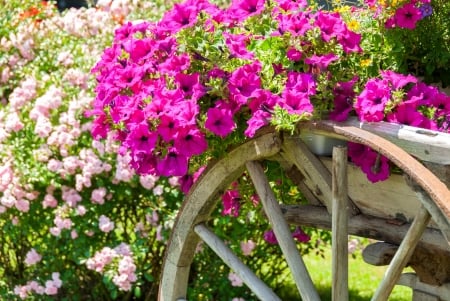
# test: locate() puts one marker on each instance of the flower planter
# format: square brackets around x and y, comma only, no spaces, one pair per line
[321,145]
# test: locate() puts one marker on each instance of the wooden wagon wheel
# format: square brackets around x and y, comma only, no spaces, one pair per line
[190,226]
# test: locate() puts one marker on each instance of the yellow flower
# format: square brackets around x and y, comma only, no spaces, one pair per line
[353,25]
[365,63]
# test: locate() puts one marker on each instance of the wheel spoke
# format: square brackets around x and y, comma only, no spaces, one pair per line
[339,259]
[257,286]
[403,255]
[281,229]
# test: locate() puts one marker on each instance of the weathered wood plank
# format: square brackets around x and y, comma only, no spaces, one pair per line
[391,199]
[363,226]
[442,292]
[282,232]
[402,256]
[339,247]
[427,145]
[256,285]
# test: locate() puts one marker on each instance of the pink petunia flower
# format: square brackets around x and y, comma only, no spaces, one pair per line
[407,16]
[220,121]
[231,203]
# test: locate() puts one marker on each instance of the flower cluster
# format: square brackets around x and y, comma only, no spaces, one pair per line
[116,263]
[169,87]
[201,74]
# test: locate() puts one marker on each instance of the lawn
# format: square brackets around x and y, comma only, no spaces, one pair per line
[363,280]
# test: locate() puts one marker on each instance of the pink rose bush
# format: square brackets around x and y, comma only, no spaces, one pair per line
[64,197]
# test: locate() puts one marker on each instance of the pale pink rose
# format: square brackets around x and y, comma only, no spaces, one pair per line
[8,200]
[22,205]
[56,280]
[158,190]
[55,231]
[13,122]
[71,164]
[123,249]
[148,181]
[34,286]
[32,257]
[50,288]
[43,127]
[21,291]
[65,58]
[173,181]
[235,280]
[105,224]
[73,234]
[49,201]
[54,165]
[247,247]
[2,209]
[81,210]
[98,195]
[70,196]
[6,74]
[63,223]
[6,176]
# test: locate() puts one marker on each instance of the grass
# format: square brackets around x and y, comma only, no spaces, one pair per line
[363,280]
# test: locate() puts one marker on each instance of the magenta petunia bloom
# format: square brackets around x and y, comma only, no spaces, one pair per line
[244,83]
[182,15]
[344,96]
[220,121]
[237,44]
[330,24]
[175,64]
[231,203]
[398,80]
[259,119]
[269,237]
[350,41]
[297,24]
[407,16]
[140,139]
[303,83]
[427,94]
[190,85]
[321,61]
[240,10]
[370,104]
[143,163]
[173,164]
[293,54]
[375,166]
[190,142]
[300,235]
[292,5]
[168,127]
[296,103]
[406,113]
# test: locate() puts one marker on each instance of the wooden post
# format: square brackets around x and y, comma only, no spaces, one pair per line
[339,225]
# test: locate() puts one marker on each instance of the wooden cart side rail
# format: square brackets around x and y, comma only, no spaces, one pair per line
[426,145]
[438,202]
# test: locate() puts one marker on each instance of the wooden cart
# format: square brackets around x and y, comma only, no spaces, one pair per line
[409,213]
